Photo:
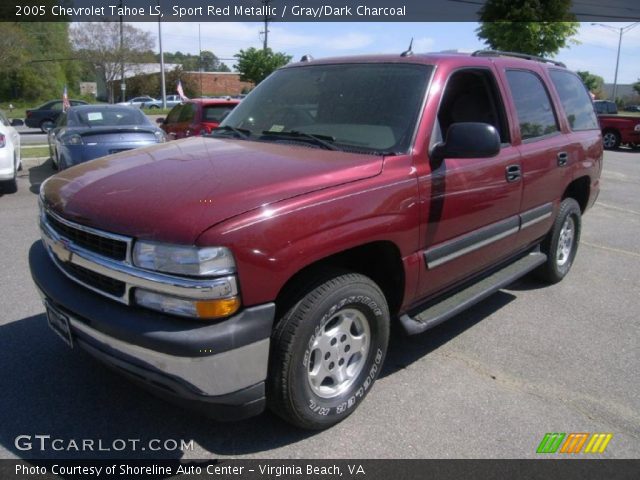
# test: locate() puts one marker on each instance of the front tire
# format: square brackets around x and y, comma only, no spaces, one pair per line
[561,244]
[327,350]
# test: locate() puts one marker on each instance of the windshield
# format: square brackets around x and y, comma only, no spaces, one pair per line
[357,107]
[107,117]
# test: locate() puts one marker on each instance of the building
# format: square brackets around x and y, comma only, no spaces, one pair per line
[218,83]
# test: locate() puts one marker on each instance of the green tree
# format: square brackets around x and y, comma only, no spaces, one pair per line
[255,65]
[636,86]
[98,43]
[192,63]
[594,83]
[533,27]
[38,61]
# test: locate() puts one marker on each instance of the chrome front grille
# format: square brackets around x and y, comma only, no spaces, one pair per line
[101,261]
[98,243]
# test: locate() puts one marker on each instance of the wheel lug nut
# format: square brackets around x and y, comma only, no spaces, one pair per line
[331,365]
[347,348]
[327,355]
[333,341]
[341,362]
[343,338]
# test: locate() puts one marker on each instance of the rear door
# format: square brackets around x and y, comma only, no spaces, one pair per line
[543,145]
[471,221]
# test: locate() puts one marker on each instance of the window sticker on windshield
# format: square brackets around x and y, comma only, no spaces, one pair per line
[276,128]
[93,116]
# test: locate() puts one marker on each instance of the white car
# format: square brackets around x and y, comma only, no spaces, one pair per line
[138,101]
[10,161]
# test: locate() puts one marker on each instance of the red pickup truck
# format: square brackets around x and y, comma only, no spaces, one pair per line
[620,130]
[263,265]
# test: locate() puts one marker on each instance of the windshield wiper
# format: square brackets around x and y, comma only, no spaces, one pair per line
[240,132]
[325,141]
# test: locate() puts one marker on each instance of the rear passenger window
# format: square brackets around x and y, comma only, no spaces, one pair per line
[174,114]
[188,112]
[575,100]
[535,113]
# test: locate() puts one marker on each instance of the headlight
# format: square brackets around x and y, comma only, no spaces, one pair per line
[160,136]
[183,260]
[72,140]
[185,307]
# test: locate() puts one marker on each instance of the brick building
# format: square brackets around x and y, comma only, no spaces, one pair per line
[218,83]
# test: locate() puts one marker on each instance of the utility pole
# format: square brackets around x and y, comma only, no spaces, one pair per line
[267,19]
[163,86]
[123,86]
[620,31]
[200,58]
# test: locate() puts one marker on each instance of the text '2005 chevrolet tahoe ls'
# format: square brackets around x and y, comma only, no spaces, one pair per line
[262,265]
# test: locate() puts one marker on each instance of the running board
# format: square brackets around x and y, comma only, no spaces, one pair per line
[456,303]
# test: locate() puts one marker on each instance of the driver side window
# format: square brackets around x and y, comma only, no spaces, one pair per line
[471,95]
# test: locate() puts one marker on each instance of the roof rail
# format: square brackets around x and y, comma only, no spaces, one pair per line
[499,53]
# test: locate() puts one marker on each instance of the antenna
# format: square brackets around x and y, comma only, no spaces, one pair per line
[409,51]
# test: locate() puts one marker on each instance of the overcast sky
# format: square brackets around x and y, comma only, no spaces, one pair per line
[595,53]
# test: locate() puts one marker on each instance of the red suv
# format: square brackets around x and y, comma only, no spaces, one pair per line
[263,265]
[196,117]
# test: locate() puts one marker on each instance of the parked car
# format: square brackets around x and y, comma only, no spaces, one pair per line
[620,130]
[605,107]
[87,132]
[47,112]
[10,161]
[262,265]
[139,101]
[196,117]
[171,101]
[632,108]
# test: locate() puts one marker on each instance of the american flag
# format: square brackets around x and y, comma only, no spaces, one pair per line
[65,100]
[180,91]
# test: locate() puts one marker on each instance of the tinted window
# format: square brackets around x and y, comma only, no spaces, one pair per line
[56,106]
[471,95]
[215,113]
[109,116]
[174,114]
[361,107]
[575,100]
[187,113]
[603,106]
[535,113]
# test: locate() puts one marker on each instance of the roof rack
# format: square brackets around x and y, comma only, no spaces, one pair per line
[499,53]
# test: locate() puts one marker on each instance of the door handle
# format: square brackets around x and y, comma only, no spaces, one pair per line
[513,173]
[563,158]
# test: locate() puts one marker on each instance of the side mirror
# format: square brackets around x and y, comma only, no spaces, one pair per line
[48,125]
[16,122]
[160,120]
[468,140]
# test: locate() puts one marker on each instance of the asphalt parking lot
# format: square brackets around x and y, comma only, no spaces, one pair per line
[490,383]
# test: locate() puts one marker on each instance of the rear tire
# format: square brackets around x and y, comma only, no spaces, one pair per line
[561,244]
[327,350]
[610,139]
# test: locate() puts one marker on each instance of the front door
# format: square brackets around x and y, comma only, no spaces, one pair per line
[471,217]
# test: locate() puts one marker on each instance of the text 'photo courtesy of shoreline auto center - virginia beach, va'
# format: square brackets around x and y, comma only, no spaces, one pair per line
[359,239]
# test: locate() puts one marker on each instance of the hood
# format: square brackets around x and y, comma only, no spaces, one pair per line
[172,192]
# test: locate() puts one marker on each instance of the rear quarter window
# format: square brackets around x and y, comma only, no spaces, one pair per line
[533,105]
[187,113]
[575,100]
[174,114]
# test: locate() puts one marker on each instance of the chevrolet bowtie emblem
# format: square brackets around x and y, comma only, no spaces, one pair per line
[61,250]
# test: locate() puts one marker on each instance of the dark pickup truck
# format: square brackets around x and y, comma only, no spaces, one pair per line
[263,265]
